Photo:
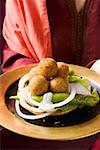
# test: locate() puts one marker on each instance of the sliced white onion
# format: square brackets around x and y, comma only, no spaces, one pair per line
[47,97]
[26,106]
[80,89]
[46,103]
[22,81]
[26,101]
[28,97]
[48,106]
[31,117]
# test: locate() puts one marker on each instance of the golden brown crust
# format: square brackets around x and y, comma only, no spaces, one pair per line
[38,70]
[59,84]
[57,72]
[38,85]
[63,69]
[49,65]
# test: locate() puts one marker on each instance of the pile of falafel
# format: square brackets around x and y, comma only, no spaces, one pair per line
[48,75]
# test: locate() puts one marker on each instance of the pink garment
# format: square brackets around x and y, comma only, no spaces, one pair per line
[34,29]
[96,145]
[26,28]
[13,60]
[27,33]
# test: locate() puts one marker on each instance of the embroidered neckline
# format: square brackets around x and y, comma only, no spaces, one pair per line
[78,28]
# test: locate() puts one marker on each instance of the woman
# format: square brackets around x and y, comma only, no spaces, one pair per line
[66,30]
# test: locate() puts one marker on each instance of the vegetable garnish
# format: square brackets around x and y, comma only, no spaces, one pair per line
[42,93]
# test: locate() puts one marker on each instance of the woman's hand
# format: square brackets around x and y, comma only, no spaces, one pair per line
[96,66]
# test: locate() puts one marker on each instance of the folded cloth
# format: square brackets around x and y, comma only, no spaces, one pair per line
[12,60]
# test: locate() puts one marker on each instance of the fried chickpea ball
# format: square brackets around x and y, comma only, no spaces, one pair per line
[63,69]
[38,85]
[59,84]
[49,65]
[38,70]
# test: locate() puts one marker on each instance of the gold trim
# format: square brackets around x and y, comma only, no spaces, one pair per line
[18,125]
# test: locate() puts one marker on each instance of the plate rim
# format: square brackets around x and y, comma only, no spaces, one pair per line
[25,68]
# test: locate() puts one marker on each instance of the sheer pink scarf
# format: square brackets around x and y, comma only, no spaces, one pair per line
[27,30]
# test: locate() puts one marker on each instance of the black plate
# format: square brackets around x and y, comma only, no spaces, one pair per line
[74,117]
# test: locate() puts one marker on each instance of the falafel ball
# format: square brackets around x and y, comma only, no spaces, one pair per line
[49,65]
[38,70]
[59,84]
[63,69]
[38,85]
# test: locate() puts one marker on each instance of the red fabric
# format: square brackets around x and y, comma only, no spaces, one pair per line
[96,145]
[13,60]
[63,26]
[62,33]
[27,31]
[92,33]
[13,141]
[63,22]
[91,47]
[89,65]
